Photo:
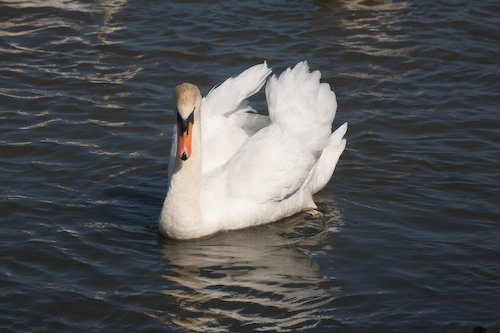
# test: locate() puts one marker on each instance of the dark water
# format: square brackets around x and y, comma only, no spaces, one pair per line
[410,237]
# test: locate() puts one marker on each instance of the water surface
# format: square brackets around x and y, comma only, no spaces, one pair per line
[408,241]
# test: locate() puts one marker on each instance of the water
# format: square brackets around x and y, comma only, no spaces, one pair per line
[408,241]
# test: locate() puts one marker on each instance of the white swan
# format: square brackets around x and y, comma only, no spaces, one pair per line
[232,168]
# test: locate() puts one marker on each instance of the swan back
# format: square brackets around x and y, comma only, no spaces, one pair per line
[278,162]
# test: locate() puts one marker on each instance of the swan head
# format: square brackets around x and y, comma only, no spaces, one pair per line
[187,103]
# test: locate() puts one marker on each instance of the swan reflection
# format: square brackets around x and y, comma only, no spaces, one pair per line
[263,277]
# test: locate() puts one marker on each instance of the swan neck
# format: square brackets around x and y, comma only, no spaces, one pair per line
[181,216]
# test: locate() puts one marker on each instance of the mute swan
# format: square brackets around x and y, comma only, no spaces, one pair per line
[232,168]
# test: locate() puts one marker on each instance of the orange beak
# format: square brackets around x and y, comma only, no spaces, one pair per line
[184,141]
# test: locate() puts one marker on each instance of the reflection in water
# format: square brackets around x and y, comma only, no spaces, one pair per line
[370,26]
[262,277]
[110,7]
[354,4]
[369,37]
[63,61]
[61,36]
[62,4]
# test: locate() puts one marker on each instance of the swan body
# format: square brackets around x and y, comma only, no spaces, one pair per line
[232,168]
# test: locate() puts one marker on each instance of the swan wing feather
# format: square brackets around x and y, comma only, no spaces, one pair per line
[278,161]
[228,120]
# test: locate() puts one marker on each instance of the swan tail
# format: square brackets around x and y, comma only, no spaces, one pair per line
[328,160]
